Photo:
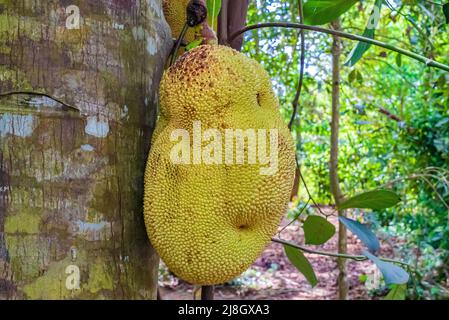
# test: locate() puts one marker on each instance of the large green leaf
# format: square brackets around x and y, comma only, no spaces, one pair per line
[376,200]
[318,12]
[397,292]
[365,235]
[213,10]
[361,47]
[446,11]
[392,273]
[317,230]
[301,263]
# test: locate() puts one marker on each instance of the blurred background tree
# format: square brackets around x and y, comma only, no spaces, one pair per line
[394,120]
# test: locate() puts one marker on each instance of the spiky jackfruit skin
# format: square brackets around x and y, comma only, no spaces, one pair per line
[210,222]
[175,14]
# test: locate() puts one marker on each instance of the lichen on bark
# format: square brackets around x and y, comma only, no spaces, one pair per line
[71,179]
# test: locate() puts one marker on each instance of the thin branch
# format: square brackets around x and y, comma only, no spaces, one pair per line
[335,255]
[301,72]
[424,178]
[390,115]
[399,72]
[178,43]
[412,22]
[381,110]
[39,94]
[294,219]
[433,2]
[415,56]
[436,192]
[183,43]
[310,195]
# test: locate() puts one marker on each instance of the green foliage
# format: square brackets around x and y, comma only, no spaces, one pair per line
[397,292]
[318,12]
[399,60]
[446,11]
[194,44]
[317,230]
[213,10]
[375,150]
[297,258]
[361,47]
[376,200]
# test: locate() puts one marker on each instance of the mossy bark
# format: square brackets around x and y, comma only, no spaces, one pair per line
[72,161]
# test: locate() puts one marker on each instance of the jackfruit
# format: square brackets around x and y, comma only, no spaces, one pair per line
[210,214]
[176,16]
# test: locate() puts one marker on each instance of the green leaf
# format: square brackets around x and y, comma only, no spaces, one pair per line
[359,77]
[446,11]
[361,47]
[441,82]
[213,10]
[399,60]
[392,273]
[363,278]
[318,12]
[317,230]
[397,292]
[352,75]
[376,200]
[301,263]
[365,235]
[193,44]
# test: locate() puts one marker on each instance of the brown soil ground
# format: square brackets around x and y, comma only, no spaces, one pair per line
[284,282]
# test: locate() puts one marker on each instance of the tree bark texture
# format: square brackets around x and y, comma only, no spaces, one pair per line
[231,19]
[71,168]
[333,167]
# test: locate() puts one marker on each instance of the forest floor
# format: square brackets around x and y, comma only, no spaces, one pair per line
[273,277]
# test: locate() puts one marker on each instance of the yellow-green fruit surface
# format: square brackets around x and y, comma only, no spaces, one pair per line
[175,14]
[210,222]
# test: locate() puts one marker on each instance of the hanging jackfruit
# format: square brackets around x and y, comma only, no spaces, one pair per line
[221,167]
[175,14]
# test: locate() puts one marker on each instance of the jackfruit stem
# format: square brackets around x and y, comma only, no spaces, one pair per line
[178,43]
[196,12]
[197,17]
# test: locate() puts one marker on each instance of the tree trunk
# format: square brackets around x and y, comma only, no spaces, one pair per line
[333,167]
[72,157]
[207,293]
[231,19]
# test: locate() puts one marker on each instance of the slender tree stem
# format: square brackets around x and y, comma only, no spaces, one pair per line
[343,286]
[415,56]
[333,254]
[301,72]
[207,293]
